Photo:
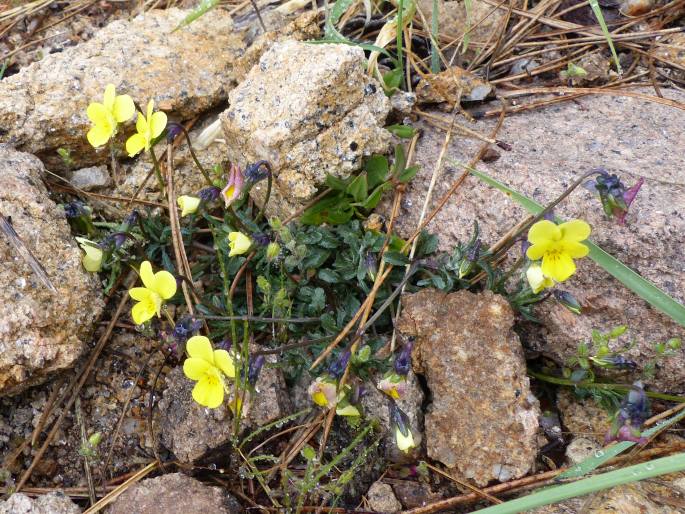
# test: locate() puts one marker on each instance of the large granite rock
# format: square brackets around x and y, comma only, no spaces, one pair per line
[483,419]
[43,107]
[52,503]
[41,331]
[174,492]
[551,148]
[309,110]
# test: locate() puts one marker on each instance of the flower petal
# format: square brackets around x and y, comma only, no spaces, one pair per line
[536,252]
[97,113]
[224,362]
[150,108]
[123,109]
[164,284]
[558,266]
[98,135]
[146,275]
[157,124]
[135,144]
[142,311]
[195,368]
[575,249]
[200,348]
[110,95]
[208,392]
[141,125]
[544,231]
[92,260]
[575,230]
[139,294]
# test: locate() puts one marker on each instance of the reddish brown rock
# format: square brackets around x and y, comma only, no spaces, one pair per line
[483,419]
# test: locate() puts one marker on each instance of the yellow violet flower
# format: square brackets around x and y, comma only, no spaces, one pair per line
[404,442]
[188,204]
[159,286]
[537,279]
[106,115]
[557,246]
[208,367]
[323,392]
[239,243]
[92,259]
[149,127]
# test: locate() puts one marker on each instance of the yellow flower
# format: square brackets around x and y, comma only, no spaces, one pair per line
[106,115]
[188,204]
[149,127]
[239,243]
[404,442]
[92,260]
[323,392]
[537,279]
[557,246]
[348,410]
[208,367]
[393,385]
[159,286]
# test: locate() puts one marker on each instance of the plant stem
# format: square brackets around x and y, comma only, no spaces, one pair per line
[195,159]
[602,385]
[266,199]
[158,171]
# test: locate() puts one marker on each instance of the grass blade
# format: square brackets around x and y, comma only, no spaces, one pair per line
[629,278]
[435,56]
[201,9]
[339,8]
[600,18]
[589,485]
[602,456]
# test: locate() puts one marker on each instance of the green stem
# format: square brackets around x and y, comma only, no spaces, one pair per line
[601,385]
[195,159]
[158,171]
[266,199]
[400,65]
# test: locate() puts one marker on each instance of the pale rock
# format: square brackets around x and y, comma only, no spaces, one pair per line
[581,448]
[41,332]
[483,419]
[322,120]
[51,503]
[88,179]
[382,498]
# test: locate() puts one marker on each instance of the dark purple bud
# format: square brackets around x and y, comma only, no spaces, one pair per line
[257,171]
[226,344]
[261,239]
[131,219]
[473,252]
[628,197]
[549,216]
[75,209]
[551,426]
[524,246]
[568,300]
[615,362]
[371,265]
[173,131]
[636,405]
[209,194]
[399,419]
[185,328]
[254,369]
[338,366]
[504,146]
[403,360]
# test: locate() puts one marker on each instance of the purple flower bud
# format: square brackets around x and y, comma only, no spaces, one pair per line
[628,197]
[254,369]
[257,171]
[185,328]
[403,360]
[226,344]
[234,186]
[568,300]
[131,219]
[524,246]
[172,132]
[338,366]
[209,194]
[75,209]
[399,419]
[261,239]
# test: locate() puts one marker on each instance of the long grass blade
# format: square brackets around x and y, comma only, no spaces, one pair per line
[589,485]
[629,278]
[435,30]
[605,30]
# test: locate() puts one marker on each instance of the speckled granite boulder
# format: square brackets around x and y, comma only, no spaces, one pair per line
[52,503]
[41,331]
[174,492]
[550,148]
[309,110]
[483,419]
[43,107]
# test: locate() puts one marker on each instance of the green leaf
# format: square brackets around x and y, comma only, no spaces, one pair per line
[400,159]
[589,485]
[372,200]
[392,79]
[629,278]
[396,258]
[330,276]
[339,8]
[335,183]
[202,8]
[403,131]
[407,174]
[376,170]
[358,188]
[335,210]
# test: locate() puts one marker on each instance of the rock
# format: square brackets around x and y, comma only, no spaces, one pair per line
[41,332]
[581,448]
[635,7]
[52,503]
[550,148]
[375,404]
[451,85]
[673,50]
[323,119]
[583,417]
[414,494]
[174,492]
[91,178]
[43,107]
[483,419]
[382,498]
[193,432]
